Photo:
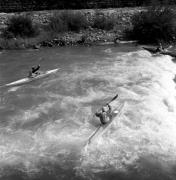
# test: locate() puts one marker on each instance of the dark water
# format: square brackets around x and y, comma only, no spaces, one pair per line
[45,124]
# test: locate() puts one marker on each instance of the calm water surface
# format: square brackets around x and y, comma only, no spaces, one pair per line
[45,124]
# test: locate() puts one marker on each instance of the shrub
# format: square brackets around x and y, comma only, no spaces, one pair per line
[67,21]
[12,43]
[75,21]
[154,25]
[102,22]
[20,26]
[22,43]
[57,24]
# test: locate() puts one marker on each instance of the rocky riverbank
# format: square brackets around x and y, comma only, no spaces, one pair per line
[84,37]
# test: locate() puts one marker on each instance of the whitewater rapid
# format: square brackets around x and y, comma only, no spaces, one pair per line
[145,134]
[47,124]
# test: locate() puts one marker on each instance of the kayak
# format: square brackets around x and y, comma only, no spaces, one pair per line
[153,51]
[118,42]
[103,128]
[29,79]
[150,49]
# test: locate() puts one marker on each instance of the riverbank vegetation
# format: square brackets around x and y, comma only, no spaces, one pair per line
[63,28]
[67,21]
[157,24]
[150,25]
[20,26]
[104,23]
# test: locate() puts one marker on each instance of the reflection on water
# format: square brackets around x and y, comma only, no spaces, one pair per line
[44,125]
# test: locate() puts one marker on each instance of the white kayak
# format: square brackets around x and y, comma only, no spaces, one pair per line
[29,79]
[103,128]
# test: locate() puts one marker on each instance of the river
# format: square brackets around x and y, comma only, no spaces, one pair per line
[45,124]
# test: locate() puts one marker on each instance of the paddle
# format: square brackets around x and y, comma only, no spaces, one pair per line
[113,98]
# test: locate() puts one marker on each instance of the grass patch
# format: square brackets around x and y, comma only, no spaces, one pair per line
[12,43]
[22,43]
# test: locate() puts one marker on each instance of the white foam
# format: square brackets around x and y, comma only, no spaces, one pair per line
[146,127]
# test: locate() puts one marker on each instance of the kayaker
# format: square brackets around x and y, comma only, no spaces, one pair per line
[160,48]
[104,114]
[34,71]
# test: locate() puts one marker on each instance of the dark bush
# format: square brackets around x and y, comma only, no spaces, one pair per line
[20,26]
[6,34]
[57,24]
[154,25]
[67,21]
[102,22]
[75,21]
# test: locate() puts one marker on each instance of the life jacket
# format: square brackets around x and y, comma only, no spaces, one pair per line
[104,117]
[34,69]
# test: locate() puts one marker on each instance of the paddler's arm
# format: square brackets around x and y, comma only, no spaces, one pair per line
[97,114]
[38,67]
[110,108]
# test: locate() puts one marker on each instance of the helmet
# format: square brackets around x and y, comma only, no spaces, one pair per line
[104,109]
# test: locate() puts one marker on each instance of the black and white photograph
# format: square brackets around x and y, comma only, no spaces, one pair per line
[87,89]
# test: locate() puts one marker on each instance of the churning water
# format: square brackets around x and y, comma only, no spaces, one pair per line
[45,124]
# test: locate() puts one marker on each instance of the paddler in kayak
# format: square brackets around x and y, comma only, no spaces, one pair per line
[104,114]
[160,48]
[34,71]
